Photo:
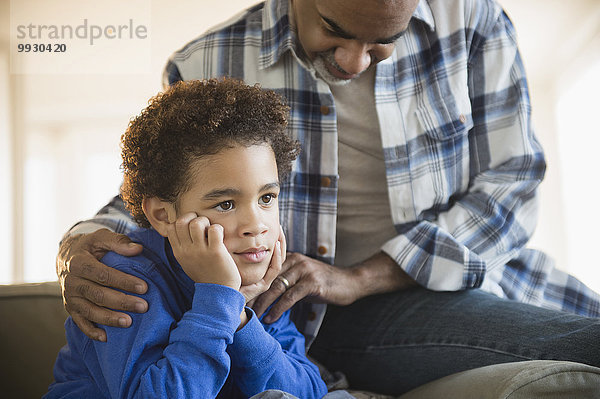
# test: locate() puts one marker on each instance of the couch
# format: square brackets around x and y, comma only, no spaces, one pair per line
[31,333]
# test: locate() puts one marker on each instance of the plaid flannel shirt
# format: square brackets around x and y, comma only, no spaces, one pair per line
[462,162]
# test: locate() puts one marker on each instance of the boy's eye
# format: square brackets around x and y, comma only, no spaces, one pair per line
[266,199]
[224,206]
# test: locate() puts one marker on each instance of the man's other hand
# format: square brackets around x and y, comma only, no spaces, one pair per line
[308,279]
[84,281]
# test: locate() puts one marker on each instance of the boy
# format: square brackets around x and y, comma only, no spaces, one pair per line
[201,173]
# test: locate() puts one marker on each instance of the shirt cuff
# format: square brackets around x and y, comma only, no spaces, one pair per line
[431,271]
[85,228]
[252,344]
[218,305]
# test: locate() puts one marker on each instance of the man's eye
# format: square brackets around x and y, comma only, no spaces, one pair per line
[266,199]
[333,33]
[224,206]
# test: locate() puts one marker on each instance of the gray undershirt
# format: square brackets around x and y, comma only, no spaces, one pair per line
[364,221]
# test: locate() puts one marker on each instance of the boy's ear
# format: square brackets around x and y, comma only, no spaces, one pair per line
[157,212]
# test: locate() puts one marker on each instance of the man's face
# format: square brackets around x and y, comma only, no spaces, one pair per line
[238,188]
[344,37]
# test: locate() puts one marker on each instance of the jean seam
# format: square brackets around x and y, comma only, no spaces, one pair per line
[474,347]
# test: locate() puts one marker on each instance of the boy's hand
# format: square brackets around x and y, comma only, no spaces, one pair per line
[253,290]
[198,247]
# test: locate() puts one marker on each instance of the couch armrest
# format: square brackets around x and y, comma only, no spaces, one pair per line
[31,334]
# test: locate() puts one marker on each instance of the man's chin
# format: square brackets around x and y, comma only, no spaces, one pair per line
[323,72]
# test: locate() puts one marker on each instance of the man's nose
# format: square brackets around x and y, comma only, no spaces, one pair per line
[353,57]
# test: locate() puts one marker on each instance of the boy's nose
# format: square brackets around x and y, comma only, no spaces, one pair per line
[251,232]
[252,225]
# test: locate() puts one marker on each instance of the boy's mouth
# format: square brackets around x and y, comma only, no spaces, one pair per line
[253,255]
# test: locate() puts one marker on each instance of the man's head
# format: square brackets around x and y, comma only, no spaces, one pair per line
[217,149]
[344,37]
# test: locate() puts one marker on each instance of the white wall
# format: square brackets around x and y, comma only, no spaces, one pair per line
[560,45]
[6,244]
[72,124]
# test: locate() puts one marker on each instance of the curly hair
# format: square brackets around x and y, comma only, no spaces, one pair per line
[192,119]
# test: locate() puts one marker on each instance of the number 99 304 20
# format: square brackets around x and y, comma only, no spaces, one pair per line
[41,47]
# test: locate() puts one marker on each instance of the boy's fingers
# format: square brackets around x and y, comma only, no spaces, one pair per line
[198,227]
[277,259]
[275,265]
[182,228]
[83,266]
[252,291]
[283,243]
[172,235]
[215,235]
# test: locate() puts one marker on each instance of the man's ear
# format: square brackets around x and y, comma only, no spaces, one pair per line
[159,213]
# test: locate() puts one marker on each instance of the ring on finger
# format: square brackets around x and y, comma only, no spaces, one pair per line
[284,281]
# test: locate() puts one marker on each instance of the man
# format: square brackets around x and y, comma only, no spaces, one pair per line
[448,204]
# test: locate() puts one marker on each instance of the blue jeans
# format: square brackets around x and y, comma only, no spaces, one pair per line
[392,343]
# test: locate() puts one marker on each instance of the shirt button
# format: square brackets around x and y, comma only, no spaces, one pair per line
[324,109]
[322,250]
[311,316]
[325,181]
[462,118]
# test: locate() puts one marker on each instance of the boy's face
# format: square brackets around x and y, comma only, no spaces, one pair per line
[238,188]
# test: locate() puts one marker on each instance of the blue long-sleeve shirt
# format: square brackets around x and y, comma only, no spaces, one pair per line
[186,344]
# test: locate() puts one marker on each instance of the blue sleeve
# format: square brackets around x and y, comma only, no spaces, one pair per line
[166,357]
[166,353]
[71,378]
[272,356]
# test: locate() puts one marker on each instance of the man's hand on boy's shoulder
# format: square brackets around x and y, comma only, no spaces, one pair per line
[84,281]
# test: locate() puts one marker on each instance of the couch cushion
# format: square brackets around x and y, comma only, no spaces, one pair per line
[529,379]
[31,333]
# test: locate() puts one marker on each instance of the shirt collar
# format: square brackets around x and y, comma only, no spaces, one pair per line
[278,36]
[423,13]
